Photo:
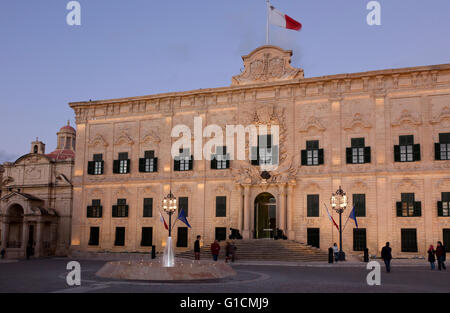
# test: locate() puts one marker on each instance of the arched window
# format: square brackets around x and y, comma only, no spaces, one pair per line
[35,149]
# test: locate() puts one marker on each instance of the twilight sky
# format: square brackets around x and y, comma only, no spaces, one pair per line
[141,47]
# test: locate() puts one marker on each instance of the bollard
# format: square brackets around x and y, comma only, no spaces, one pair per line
[366,255]
[330,255]
[153,252]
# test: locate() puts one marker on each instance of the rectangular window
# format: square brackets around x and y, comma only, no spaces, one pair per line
[409,240]
[147,237]
[120,236]
[123,163]
[408,204]
[221,233]
[149,163]
[312,205]
[95,167]
[444,204]
[94,236]
[148,207]
[312,155]
[183,162]
[443,151]
[359,202]
[182,237]
[183,203]
[265,149]
[220,160]
[446,239]
[121,209]
[357,150]
[94,210]
[359,239]
[313,237]
[221,206]
[407,151]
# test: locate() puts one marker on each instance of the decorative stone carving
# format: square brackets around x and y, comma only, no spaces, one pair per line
[98,140]
[124,138]
[151,137]
[33,173]
[267,64]
[406,117]
[441,116]
[312,122]
[357,120]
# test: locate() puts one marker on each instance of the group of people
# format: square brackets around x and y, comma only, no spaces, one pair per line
[230,250]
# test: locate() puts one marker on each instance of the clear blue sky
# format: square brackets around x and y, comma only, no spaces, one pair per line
[141,47]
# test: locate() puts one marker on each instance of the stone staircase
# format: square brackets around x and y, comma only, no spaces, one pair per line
[265,250]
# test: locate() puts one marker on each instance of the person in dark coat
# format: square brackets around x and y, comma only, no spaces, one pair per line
[233,252]
[440,255]
[197,248]
[3,252]
[228,252]
[215,248]
[386,255]
[431,256]
[29,251]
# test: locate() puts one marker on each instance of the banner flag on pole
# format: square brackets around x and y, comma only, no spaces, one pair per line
[332,219]
[280,19]
[353,216]
[161,218]
[182,217]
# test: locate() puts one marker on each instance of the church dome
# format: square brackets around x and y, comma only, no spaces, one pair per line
[67,128]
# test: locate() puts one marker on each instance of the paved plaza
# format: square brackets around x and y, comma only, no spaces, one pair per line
[49,276]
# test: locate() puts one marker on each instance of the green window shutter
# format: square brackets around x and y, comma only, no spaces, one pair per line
[349,155]
[367,155]
[396,153]
[254,155]
[176,165]
[155,164]
[116,166]
[437,151]
[114,211]
[321,157]
[191,163]
[416,152]
[304,157]
[142,165]
[417,208]
[399,209]
[91,167]
[440,209]
[214,163]
[89,211]
[128,166]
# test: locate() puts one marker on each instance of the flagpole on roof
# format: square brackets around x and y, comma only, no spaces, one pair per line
[267,24]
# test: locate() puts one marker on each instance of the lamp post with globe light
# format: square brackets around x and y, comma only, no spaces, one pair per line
[169,205]
[339,204]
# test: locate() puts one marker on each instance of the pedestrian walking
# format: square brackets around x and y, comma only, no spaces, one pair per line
[3,252]
[197,248]
[440,256]
[215,248]
[386,255]
[431,256]
[336,252]
[228,252]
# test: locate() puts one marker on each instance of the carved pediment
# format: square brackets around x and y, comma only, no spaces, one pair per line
[441,116]
[183,190]
[7,180]
[407,185]
[151,137]
[124,139]
[357,120]
[98,140]
[267,64]
[406,117]
[312,122]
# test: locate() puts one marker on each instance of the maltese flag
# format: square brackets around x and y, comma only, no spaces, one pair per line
[280,19]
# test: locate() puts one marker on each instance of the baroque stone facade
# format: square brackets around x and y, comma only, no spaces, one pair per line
[319,119]
[36,199]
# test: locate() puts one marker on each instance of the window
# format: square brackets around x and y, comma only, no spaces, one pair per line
[94,236]
[220,160]
[359,239]
[182,237]
[147,237]
[221,206]
[149,163]
[148,207]
[183,203]
[95,167]
[265,153]
[121,209]
[35,149]
[446,238]
[94,210]
[359,202]
[313,235]
[442,148]
[407,151]
[409,240]
[444,204]
[408,207]
[120,236]
[184,161]
[221,233]
[312,156]
[358,153]
[122,165]
[313,205]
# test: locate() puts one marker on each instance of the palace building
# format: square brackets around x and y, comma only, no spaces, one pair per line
[383,136]
[36,199]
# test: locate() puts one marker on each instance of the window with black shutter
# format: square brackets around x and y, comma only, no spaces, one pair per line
[446,239]
[444,204]
[442,148]
[359,239]
[182,237]
[94,210]
[359,201]
[183,204]
[312,205]
[221,206]
[313,237]
[120,209]
[409,240]
[184,161]
[94,236]
[147,237]
[221,233]
[120,236]
[408,207]
[122,165]
[407,151]
[266,153]
[358,153]
[148,164]
[148,207]
[312,156]
[220,160]
[96,166]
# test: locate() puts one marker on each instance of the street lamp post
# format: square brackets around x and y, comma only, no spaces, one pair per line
[339,204]
[169,206]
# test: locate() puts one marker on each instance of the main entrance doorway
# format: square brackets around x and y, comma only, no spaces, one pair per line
[265,216]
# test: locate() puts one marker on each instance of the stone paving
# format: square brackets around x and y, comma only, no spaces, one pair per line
[49,275]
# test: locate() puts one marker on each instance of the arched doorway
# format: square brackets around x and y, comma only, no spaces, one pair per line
[265,216]
[15,219]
